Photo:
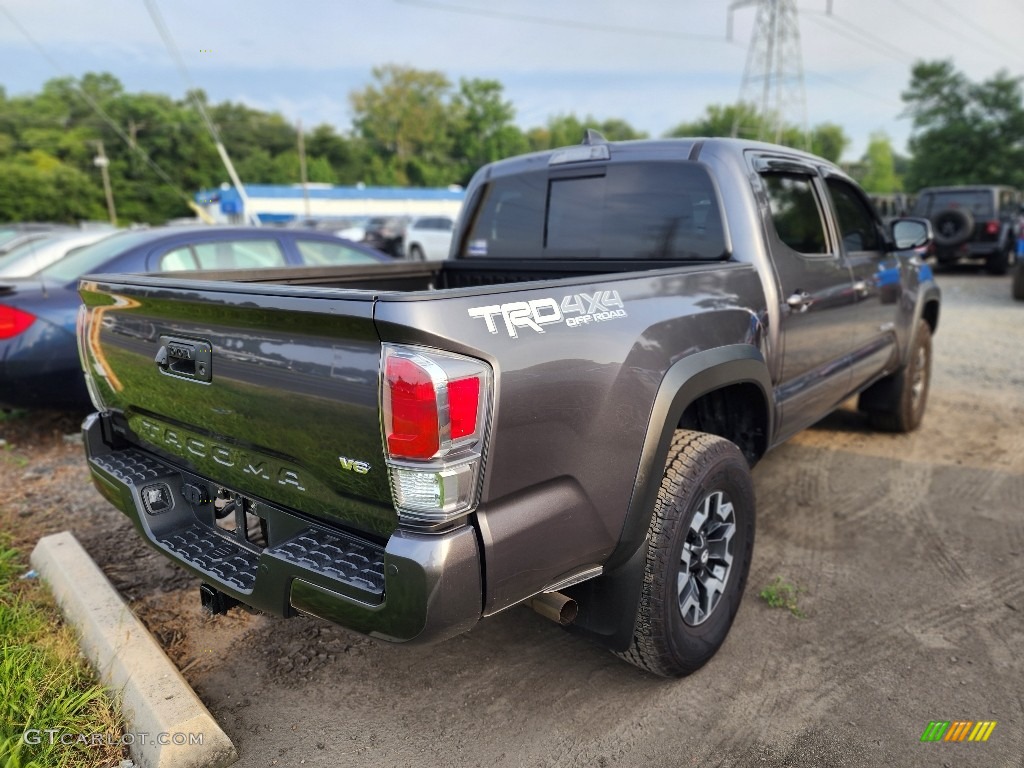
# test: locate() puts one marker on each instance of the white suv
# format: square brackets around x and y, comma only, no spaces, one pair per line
[429,237]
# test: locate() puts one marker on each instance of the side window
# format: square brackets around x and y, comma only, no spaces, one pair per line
[319,252]
[1006,204]
[857,226]
[795,212]
[239,254]
[178,259]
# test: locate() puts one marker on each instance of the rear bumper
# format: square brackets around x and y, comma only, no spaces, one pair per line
[968,250]
[418,587]
[42,371]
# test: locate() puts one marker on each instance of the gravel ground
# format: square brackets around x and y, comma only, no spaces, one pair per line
[908,552]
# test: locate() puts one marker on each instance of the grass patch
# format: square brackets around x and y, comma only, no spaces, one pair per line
[781,594]
[10,457]
[11,414]
[45,684]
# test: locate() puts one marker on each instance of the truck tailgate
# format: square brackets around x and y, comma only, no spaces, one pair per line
[254,388]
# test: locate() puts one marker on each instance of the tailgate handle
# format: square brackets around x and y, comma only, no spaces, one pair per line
[185,358]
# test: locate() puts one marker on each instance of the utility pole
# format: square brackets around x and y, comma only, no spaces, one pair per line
[102,162]
[773,78]
[302,168]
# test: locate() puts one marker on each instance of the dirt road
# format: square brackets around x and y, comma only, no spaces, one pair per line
[908,552]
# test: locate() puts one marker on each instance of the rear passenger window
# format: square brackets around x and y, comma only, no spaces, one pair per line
[795,212]
[225,254]
[623,211]
[319,252]
[177,260]
[857,225]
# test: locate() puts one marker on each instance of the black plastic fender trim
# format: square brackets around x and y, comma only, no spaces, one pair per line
[608,603]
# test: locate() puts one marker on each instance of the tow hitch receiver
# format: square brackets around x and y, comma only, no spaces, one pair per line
[215,602]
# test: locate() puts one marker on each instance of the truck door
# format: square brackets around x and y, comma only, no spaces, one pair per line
[816,291]
[876,281]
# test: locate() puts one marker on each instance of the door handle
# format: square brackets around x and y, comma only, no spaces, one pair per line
[800,301]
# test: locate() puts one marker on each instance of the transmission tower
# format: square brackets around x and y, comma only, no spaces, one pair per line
[773,77]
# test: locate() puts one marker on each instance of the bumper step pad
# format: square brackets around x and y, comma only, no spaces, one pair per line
[342,559]
[214,554]
[337,558]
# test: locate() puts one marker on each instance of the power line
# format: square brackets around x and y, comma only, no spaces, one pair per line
[989,37]
[856,34]
[169,43]
[568,23]
[929,20]
[855,89]
[98,109]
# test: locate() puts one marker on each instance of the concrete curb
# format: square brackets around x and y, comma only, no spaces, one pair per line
[155,699]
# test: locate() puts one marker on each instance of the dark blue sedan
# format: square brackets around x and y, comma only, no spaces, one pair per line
[39,365]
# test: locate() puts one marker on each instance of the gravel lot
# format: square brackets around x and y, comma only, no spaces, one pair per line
[908,552]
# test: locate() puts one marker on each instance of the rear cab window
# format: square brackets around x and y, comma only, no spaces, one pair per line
[623,211]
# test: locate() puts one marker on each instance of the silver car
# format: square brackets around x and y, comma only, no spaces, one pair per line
[28,258]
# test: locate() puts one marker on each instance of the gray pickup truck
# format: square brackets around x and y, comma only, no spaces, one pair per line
[564,413]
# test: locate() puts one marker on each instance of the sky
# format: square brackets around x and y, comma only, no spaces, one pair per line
[653,63]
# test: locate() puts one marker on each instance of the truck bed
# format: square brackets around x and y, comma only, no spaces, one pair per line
[410,277]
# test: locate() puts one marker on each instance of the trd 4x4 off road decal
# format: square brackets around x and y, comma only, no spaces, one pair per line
[576,310]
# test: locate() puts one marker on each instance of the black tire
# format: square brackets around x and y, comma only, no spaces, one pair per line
[897,402]
[1018,281]
[999,263]
[952,227]
[416,253]
[705,477]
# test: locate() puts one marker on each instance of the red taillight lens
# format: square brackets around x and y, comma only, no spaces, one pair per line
[13,321]
[435,412]
[464,405]
[412,431]
[992,227]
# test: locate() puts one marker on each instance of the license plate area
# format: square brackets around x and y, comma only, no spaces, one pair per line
[240,518]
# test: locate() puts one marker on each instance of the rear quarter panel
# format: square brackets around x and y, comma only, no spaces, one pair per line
[573,401]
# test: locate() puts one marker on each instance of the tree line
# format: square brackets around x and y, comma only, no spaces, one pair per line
[417,128]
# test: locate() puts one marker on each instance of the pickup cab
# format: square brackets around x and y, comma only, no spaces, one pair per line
[564,413]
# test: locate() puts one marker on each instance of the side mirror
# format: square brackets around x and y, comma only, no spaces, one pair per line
[911,233]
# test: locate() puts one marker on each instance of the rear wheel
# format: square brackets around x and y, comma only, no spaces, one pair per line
[999,263]
[700,542]
[897,403]
[416,253]
[1018,281]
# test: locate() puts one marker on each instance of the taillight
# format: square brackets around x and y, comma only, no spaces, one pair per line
[14,321]
[434,414]
[992,227]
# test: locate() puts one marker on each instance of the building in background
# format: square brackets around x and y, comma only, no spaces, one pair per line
[278,203]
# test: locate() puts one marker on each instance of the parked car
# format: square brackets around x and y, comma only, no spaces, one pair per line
[14,234]
[972,223]
[346,227]
[39,365]
[429,238]
[892,205]
[387,234]
[563,414]
[28,258]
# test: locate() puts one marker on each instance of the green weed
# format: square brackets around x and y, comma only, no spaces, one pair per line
[781,594]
